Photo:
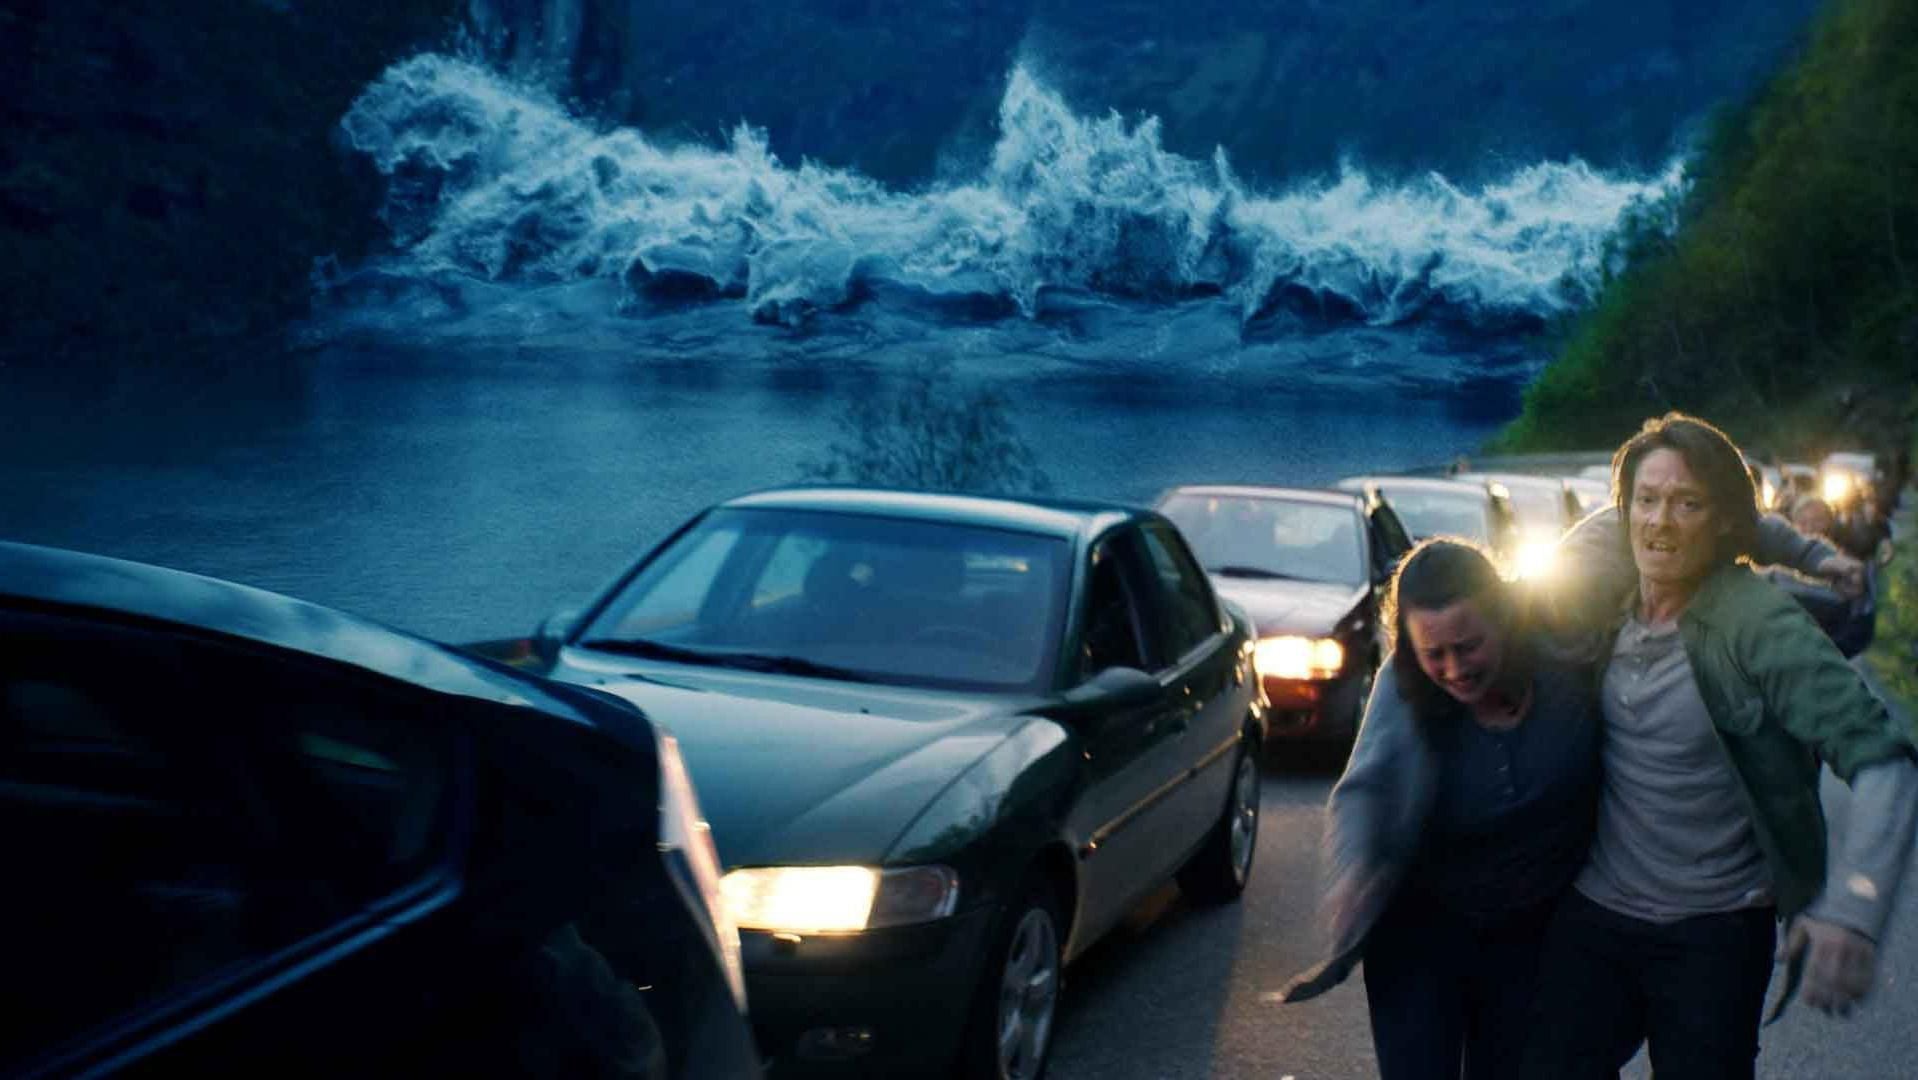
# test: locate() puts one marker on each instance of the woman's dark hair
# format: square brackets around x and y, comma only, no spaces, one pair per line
[1437,574]
[1713,458]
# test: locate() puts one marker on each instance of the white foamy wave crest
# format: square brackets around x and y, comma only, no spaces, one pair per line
[491,180]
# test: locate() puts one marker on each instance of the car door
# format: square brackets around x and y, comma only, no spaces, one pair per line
[1134,765]
[1205,677]
[210,842]
[1389,542]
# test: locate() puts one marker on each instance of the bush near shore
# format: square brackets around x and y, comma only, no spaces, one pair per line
[1784,305]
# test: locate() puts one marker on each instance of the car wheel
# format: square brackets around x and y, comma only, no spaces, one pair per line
[1010,1035]
[1218,871]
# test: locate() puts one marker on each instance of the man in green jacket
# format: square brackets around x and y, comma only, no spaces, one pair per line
[1721,699]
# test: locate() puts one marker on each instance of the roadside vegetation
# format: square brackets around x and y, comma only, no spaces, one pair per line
[1893,656]
[1784,303]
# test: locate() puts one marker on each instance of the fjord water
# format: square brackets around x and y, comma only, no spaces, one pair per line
[583,334]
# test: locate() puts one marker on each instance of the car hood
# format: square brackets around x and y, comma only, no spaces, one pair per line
[806,771]
[1311,608]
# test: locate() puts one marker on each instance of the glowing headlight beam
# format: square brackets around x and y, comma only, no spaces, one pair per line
[1294,657]
[801,899]
[1537,559]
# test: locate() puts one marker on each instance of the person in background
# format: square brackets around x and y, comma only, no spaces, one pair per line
[1484,807]
[1850,621]
[1812,516]
[1720,698]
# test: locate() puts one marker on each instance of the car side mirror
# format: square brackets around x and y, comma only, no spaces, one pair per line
[552,632]
[1112,689]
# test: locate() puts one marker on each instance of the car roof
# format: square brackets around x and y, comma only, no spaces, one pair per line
[1517,479]
[119,588]
[1325,496]
[1422,483]
[1064,518]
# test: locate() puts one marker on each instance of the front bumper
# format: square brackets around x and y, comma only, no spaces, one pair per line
[1315,709]
[911,988]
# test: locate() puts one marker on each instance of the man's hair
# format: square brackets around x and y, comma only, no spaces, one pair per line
[1435,575]
[1713,458]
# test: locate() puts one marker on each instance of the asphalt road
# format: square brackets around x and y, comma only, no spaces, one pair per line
[1186,992]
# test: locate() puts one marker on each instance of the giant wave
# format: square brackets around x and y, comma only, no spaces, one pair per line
[495,186]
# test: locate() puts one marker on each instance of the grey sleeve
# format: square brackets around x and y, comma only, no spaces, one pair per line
[1376,795]
[1867,866]
[1779,544]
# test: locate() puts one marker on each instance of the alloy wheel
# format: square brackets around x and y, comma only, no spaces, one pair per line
[1028,994]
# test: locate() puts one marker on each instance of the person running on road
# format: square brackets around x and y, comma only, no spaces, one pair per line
[1720,699]
[1504,751]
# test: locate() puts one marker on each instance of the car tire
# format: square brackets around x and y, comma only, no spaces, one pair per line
[1218,872]
[1009,1036]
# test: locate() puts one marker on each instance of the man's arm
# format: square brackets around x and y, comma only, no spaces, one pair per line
[1780,544]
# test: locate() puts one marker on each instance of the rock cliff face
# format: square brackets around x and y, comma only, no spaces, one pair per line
[168,174]
[167,177]
[1286,86]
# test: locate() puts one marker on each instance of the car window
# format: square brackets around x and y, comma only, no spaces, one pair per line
[186,812]
[1182,601]
[1257,536]
[1109,634]
[901,600]
[679,580]
[1427,512]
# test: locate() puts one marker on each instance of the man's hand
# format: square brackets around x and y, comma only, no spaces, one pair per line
[1839,964]
[1845,573]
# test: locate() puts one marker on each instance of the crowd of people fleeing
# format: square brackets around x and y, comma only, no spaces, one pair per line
[1577,815]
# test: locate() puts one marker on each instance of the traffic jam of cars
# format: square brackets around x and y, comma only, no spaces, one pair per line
[832,781]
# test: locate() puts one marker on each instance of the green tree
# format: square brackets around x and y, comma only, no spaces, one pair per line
[931,433]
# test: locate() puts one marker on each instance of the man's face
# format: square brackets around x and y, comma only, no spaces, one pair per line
[1674,527]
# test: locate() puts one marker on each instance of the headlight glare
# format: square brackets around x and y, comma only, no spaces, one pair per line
[801,899]
[1537,559]
[1293,657]
[838,899]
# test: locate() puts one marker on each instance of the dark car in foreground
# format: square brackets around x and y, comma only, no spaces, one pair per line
[946,742]
[249,836]
[1310,568]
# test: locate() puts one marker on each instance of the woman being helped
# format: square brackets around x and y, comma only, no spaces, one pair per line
[1456,833]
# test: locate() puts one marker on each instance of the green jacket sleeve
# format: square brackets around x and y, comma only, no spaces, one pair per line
[1810,689]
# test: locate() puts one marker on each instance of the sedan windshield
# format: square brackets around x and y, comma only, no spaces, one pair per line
[1248,536]
[1436,512]
[846,596]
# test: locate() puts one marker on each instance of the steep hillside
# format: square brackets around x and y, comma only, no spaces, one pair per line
[1786,304]
[167,176]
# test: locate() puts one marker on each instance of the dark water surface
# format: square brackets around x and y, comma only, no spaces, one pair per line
[467,495]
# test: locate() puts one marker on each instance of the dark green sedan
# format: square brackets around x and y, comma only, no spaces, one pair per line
[944,742]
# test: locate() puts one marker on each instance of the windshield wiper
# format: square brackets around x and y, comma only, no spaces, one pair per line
[790,665]
[773,663]
[651,650]
[1253,572]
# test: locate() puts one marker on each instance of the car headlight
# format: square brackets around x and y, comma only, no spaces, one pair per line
[843,899]
[683,828]
[1537,560]
[1292,657]
[1837,487]
[1767,494]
